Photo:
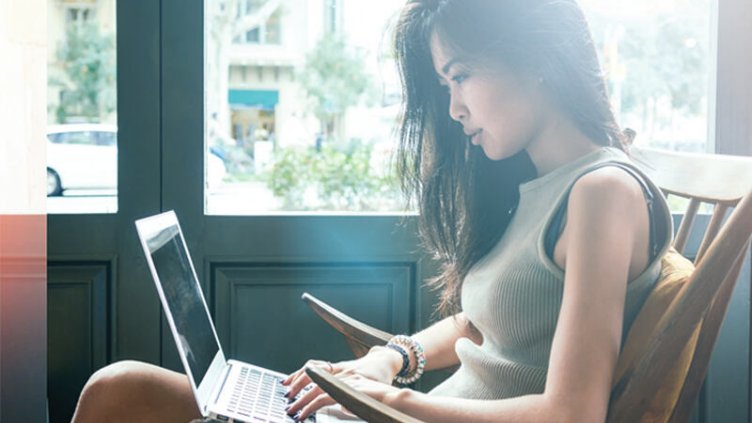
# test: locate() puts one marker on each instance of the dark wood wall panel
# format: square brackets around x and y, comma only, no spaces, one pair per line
[77,331]
[261,319]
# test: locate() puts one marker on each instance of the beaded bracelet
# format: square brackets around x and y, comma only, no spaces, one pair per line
[405,358]
[420,359]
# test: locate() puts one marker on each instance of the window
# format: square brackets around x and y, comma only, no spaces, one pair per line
[332,15]
[82,152]
[657,59]
[266,32]
[303,121]
[77,15]
[295,138]
[76,138]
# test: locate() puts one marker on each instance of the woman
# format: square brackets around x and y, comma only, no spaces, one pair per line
[550,239]
[546,241]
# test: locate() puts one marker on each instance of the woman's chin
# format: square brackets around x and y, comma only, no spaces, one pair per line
[497,155]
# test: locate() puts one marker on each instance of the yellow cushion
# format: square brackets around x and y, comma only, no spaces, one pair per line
[675,271]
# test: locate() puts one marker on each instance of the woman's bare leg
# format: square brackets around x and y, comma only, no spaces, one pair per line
[131,391]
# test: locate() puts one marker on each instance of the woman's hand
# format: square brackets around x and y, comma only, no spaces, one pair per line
[379,365]
[382,392]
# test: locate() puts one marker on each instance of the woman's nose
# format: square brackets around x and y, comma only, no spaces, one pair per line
[457,108]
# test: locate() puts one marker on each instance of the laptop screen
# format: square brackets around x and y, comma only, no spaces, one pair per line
[183,295]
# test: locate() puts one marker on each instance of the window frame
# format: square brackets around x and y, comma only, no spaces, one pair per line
[731,117]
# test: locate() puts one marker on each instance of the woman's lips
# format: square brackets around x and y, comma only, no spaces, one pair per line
[475,137]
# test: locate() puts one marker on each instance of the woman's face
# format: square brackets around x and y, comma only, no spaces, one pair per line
[500,111]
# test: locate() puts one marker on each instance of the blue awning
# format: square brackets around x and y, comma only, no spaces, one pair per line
[262,99]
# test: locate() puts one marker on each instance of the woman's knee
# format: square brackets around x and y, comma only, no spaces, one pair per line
[139,390]
[118,376]
[111,383]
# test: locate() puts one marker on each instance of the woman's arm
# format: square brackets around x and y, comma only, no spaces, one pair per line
[606,224]
[438,340]
[382,364]
[438,343]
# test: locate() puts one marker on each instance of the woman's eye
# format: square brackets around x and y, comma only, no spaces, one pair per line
[459,78]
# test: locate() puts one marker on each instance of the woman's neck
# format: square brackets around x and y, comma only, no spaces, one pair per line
[558,143]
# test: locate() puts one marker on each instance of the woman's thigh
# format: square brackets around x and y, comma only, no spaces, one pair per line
[136,391]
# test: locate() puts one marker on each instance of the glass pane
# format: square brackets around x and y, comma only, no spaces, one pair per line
[82,115]
[302,103]
[657,58]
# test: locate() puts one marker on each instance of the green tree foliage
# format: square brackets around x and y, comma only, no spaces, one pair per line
[664,56]
[335,178]
[334,79]
[88,80]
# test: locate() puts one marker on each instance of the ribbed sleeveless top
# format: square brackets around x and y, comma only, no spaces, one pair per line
[513,294]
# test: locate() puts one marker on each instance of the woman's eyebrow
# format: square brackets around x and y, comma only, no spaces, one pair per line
[445,69]
[449,64]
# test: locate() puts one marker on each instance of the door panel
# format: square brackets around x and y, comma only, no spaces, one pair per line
[77,328]
[261,319]
[136,305]
[89,243]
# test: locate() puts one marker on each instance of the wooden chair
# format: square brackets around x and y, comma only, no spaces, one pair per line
[359,336]
[688,316]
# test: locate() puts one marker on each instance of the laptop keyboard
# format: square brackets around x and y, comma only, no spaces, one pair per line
[261,397]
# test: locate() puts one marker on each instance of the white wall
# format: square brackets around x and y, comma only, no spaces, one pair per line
[23,115]
[23,284]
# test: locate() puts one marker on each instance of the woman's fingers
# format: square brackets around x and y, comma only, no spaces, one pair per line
[313,397]
[297,385]
[299,380]
[295,375]
[322,400]
[309,394]
[373,388]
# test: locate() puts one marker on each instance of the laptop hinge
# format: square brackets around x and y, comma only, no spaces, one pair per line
[226,374]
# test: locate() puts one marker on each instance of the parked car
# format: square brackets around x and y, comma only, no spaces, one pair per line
[81,156]
[84,156]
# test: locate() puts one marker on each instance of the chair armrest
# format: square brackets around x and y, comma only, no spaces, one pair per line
[357,402]
[359,336]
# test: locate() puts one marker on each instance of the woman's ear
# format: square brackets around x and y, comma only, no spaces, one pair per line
[629,136]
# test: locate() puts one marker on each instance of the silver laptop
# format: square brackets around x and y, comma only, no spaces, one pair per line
[226,390]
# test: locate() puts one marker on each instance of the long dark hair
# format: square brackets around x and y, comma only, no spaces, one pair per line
[466,200]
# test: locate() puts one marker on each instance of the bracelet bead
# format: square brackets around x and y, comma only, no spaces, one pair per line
[405,358]
[412,375]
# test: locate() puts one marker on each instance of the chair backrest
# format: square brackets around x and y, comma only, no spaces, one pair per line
[359,336]
[677,352]
[357,402]
[682,315]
